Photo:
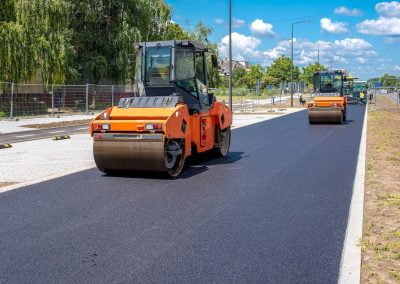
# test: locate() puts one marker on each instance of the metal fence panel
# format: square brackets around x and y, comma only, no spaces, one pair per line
[5,99]
[37,100]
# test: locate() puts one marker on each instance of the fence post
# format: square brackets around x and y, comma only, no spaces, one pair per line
[112,95]
[87,99]
[52,100]
[12,101]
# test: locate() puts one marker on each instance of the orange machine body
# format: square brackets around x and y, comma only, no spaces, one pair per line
[328,102]
[198,130]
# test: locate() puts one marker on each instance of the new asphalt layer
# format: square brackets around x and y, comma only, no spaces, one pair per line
[274,211]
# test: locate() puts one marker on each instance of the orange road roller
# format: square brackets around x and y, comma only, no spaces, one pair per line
[172,117]
[329,104]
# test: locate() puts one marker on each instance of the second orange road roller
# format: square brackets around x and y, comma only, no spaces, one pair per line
[329,104]
[172,117]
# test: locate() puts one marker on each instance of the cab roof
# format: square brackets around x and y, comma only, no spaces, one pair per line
[175,43]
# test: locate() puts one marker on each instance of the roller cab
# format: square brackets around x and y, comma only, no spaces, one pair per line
[329,104]
[172,117]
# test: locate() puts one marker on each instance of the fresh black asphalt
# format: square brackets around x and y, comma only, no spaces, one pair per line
[21,136]
[274,211]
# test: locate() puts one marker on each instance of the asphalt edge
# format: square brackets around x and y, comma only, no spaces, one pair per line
[350,264]
[43,179]
[72,171]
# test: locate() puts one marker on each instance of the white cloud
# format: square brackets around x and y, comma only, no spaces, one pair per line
[343,52]
[391,40]
[381,26]
[329,26]
[243,47]
[237,23]
[348,12]
[362,60]
[340,59]
[388,9]
[219,21]
[387,24]
[353,44]
[261,28]
[397,68]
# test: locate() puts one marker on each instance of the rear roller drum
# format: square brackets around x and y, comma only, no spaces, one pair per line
[174,157]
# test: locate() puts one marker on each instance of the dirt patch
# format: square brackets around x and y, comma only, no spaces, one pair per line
[58,124]
[3,184]
[381,235]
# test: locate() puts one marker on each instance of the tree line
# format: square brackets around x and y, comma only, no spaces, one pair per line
[279,71]
[75,41]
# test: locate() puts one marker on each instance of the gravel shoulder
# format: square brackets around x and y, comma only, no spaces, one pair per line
[381,234]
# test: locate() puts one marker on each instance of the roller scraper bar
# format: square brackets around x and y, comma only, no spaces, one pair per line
[150,102]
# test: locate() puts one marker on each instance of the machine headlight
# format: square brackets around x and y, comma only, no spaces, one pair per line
[154,127]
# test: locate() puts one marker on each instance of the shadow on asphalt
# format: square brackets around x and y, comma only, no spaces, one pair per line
[195,165]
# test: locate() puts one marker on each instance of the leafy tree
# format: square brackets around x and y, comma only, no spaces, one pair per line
[255,73]
[34,37]
[269,80]
[237,76]
[280,69]
[388,80]
[40,37]
[175,31]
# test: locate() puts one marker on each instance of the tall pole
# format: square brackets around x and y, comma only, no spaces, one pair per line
[318,57]
[292,65]
[230,54]
[291,73]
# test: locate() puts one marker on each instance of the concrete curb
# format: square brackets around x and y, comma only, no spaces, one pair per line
[350,266]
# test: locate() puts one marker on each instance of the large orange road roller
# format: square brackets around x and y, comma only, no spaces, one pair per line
[329,104]
[172,117]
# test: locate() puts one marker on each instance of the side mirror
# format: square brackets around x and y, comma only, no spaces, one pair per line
[214,60]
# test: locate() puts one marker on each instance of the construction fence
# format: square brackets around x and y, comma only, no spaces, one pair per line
[24,100]
[391,101]
[18,100]
[250,100]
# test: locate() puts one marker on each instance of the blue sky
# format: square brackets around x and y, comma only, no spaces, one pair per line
[362,36]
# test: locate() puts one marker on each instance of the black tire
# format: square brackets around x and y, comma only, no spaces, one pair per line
[223,141]
[174,164]
[341,119]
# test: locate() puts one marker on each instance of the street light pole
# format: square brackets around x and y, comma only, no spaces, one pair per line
[291,73]
[230,54]
[292,65]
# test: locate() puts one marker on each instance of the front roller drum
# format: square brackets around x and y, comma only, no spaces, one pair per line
[160,156]
[325,116]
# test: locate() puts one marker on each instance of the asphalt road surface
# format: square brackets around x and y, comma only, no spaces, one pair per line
[274,211]
[42,133]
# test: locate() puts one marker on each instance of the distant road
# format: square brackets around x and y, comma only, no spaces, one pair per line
[274,211]
[42,133]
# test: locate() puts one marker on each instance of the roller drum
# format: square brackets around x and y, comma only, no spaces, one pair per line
[129,155]
[325,116]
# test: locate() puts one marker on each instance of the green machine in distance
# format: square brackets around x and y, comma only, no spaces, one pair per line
[360,89]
